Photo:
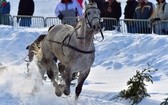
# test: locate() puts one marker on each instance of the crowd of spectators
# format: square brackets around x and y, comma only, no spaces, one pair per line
[68,11]
[111,12]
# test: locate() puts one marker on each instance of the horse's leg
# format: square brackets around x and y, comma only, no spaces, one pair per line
[67,76]
[61,67]
[82,76]
[42,70]
[48,61]
[52,73]
[58,80]
[45,64]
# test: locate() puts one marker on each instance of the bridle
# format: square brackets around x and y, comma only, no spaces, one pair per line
[89,22]
[89,25]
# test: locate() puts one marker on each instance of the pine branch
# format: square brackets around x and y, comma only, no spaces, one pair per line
[136,87]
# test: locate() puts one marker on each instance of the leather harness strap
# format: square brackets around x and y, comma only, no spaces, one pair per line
[73,48]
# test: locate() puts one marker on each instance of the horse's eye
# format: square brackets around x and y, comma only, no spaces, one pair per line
[99,12]
[88,13]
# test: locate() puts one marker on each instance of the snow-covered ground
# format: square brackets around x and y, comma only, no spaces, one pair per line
[118,57]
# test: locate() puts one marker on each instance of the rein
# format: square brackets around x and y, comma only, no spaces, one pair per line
[72,47]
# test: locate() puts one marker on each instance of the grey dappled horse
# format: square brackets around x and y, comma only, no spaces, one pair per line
[74,48]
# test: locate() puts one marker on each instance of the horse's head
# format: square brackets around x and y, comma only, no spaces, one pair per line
[92,15]
[34,48]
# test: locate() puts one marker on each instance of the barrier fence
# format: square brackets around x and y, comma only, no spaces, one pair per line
[49,21]
[29,21]
[122,25]
[6,19]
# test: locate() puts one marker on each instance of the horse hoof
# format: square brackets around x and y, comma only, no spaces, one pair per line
[66,92]
[59,94]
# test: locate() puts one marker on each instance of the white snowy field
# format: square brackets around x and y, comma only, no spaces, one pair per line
[118,57]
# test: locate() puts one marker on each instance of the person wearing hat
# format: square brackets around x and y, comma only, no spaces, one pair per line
[4,12]
[100,5]
[80,3]
[68,11]
[160,15]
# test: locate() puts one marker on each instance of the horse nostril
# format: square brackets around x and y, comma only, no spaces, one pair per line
[58,94]
[94,27]
[98,27]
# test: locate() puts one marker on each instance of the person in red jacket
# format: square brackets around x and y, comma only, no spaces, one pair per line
[80,2]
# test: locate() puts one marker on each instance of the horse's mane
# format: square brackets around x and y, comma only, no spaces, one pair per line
[79,23]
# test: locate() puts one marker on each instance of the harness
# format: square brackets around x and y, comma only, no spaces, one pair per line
[89,25]
[70,46]
[73,48]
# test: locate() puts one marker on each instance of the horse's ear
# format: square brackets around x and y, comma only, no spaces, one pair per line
[85,3]
[27,47]
[91,1]
[50,27]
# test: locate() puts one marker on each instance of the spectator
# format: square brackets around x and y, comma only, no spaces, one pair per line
[112,9]
[161,13]
[67,11]
[129,13]
[4,12]
[26,7]
[80,3]
[144,10]
[100,5]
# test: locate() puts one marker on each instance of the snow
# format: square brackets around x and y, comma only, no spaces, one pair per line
[118,57]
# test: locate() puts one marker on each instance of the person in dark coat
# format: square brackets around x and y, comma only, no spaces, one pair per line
[4,12]
[144,10]
[26,7]
[112,9]
[129,13]
[100,5]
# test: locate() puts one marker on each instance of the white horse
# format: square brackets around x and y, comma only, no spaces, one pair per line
[74,48]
